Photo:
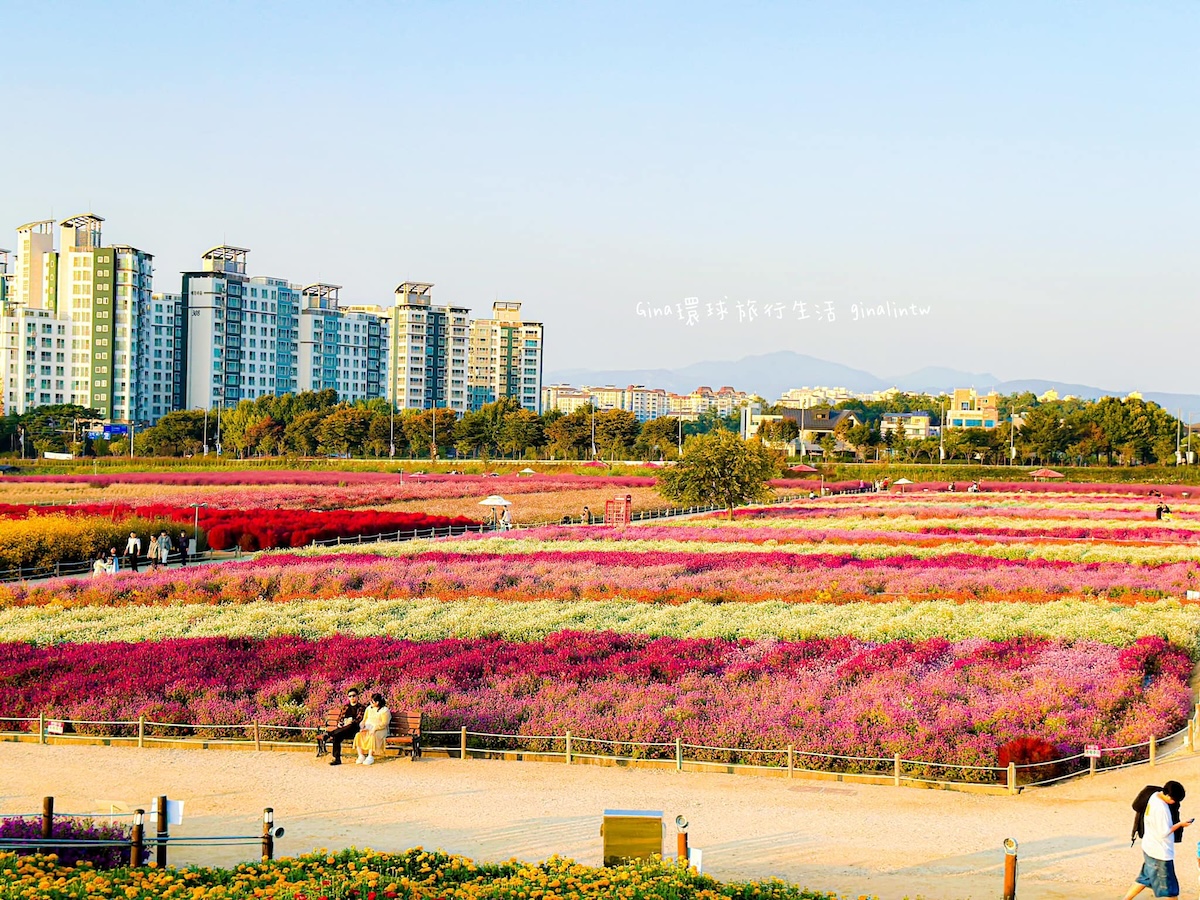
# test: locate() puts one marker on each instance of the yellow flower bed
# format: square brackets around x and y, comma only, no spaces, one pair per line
[366,875]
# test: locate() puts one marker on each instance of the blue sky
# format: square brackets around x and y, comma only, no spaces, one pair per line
[1026,171]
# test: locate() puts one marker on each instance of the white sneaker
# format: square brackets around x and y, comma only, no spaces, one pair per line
[369,761]
[359,761]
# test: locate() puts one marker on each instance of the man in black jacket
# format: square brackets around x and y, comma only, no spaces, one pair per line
[347,728]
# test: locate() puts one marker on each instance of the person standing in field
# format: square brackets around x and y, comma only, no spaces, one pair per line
[1158,844]
[152,552]
[164,548]
[133,549]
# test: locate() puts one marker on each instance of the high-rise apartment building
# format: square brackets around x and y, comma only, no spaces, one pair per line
[164,353]
[214,300]
[505,359]
[343,348]
[428,364]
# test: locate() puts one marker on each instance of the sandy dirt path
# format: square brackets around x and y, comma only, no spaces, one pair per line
[891,842]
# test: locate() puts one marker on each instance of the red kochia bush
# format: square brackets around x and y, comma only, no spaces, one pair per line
[258,529]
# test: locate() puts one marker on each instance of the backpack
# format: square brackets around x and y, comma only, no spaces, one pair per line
[1140,802]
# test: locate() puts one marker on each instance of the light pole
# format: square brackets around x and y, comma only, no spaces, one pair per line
[433,442]
[196,522]
[593,405]
[204,409]
[681,434]
[392,445]
[942,436]
[1012,436]
[220,409]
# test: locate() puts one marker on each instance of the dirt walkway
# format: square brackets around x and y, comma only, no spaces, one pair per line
[892,842]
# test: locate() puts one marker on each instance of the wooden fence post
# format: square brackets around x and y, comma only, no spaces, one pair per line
[1012,778]
[896,770]
[1092,767]
[141,732]
[163,835]
[568,748]
[462,743]
[48,820]
[257,742]
[41,728]
[1153,751]
[791,759]
[678,754]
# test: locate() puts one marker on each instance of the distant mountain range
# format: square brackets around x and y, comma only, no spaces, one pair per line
[770,374]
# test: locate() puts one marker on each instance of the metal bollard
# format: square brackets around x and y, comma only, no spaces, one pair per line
[268,836]
[136,839]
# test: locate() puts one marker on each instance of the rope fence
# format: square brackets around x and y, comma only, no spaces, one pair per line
[464,743]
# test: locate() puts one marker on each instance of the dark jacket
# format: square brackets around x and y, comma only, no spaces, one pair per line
[354,711]
[1139,814]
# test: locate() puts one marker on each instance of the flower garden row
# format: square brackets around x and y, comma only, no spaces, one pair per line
[648,576]
[44,536]
[955,703]
[366,875]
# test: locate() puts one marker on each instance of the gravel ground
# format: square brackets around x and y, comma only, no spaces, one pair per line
[853,839]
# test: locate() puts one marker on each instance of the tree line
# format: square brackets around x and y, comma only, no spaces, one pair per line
[1109,431]
[315,423]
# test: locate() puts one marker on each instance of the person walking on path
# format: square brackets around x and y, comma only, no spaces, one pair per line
[183,548]
[152,553]
[1158,844]
[164,549]
[133,549]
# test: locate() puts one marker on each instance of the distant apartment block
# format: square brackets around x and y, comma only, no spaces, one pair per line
[970,410]
[504,359]
[915,426]
[428,365]
[645,403]
[808,397]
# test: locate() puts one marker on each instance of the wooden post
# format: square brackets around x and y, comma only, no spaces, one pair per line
[1153,751]
[268,837]
[1092,767]
[1010,875]
[568,748]
[136,840]
[47,822]
[462,743]
[141,732]
[257,742]
[896,770]
[678,754]
[791,760]
[1012,778]
[41,728]
[681,848]
[163,835]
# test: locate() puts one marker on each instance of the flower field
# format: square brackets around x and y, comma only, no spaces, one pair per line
[250,529]
[947,628]
[366,875]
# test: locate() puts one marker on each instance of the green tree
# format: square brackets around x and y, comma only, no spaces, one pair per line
[344,430]
[520,431]
[300,434]
[419,429]
[720,469]
[570,436]
[659,438]
[616,432]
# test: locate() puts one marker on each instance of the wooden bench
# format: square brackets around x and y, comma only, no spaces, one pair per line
[404,734]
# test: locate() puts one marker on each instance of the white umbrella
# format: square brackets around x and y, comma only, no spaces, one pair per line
[527,471]
[495,501]
[902,482]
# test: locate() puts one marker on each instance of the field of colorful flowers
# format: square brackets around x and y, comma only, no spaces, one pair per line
[942,627]
[366,875]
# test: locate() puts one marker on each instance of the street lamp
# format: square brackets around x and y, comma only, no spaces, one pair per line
[593,405]
[1012,435]
[196,521]
[205,428]
[392,445]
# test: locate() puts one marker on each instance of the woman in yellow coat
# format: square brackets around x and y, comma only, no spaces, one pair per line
[370,738]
